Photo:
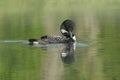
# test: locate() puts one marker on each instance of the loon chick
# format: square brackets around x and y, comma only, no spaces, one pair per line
[66,29]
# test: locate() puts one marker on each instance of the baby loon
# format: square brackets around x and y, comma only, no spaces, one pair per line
[66,29]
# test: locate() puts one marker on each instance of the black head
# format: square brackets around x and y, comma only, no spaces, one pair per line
[67,25]
[67,28]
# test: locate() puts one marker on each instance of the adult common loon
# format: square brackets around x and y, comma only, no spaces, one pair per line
[66,29]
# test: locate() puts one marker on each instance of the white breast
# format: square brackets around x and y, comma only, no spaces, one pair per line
[64,31]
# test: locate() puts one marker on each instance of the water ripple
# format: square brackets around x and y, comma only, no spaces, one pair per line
[13,41]
[77,44]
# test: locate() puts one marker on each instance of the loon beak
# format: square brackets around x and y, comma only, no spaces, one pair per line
[72,36]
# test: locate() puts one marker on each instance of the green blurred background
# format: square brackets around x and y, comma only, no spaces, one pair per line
[97,23]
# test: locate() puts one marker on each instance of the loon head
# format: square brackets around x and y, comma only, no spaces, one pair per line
[67,28]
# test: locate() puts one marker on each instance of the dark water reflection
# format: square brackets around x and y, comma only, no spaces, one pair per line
[58,57]
[66,51]
[67,54]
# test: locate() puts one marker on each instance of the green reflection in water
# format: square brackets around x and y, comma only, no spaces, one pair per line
[17,62]
[110,44]
[21,20]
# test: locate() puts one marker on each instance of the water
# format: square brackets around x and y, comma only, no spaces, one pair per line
[13,41]
[95,55]
[18,61]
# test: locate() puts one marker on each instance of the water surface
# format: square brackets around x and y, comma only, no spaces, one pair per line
[94,57]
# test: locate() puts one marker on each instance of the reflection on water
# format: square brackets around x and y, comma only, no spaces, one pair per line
[66,50]
[67,54]
[58,55]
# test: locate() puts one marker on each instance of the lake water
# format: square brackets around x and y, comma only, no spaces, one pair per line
[95,55]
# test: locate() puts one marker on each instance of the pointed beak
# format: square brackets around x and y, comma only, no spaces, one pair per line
[72,37]
[70,34]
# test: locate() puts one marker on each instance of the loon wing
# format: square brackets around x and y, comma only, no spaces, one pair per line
[53,39]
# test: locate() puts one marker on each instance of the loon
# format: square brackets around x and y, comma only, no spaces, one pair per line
[66,29]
